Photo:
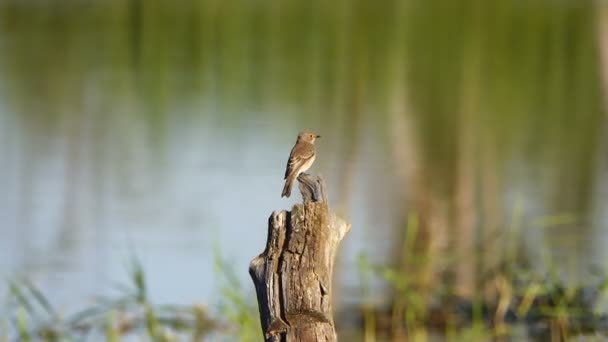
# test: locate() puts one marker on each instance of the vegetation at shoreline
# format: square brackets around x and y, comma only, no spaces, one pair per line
[521,304]
[31,317]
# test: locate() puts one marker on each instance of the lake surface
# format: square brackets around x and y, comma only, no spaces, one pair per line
[162,131]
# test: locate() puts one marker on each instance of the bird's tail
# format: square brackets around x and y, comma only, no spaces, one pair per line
[287,187]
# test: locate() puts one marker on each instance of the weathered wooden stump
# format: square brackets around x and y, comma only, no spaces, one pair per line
[292,277]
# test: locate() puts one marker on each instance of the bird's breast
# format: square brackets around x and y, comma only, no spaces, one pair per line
[308,164]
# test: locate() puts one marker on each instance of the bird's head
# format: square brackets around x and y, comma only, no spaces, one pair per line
[308,136]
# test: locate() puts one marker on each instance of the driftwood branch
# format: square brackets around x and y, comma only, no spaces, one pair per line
[312,188]
[292,277]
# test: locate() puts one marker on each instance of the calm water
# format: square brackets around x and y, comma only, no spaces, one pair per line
[162,132]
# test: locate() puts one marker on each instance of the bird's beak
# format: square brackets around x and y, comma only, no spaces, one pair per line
[318,136]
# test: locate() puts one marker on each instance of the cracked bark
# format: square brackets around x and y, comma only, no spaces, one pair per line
[292,277]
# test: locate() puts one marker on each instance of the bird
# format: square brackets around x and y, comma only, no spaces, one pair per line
[300,159]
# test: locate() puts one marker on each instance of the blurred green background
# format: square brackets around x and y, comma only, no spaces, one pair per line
[466,141]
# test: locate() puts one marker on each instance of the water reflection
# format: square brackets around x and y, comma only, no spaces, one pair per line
[162,130]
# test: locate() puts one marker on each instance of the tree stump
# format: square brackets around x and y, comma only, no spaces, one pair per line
[292,277]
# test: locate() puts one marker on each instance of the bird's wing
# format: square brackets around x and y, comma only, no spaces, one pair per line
[300,154]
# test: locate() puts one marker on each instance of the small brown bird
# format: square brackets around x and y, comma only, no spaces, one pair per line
[301,158]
